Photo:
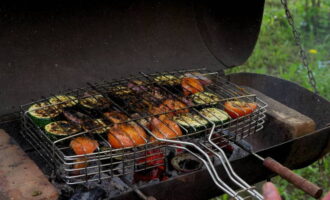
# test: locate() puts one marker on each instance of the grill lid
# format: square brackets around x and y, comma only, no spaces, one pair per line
[49,45]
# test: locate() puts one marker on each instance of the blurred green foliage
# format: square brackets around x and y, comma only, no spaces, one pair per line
[276,54]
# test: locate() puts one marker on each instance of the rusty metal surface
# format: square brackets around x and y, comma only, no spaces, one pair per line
[288,93]
[46,46]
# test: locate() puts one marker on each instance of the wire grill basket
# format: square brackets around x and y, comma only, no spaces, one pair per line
[136,98]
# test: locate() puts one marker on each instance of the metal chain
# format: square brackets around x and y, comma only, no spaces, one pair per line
[302,52]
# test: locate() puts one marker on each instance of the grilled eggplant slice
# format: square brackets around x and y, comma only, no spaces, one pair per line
[63,101]
[205,98]
[191,122]
[59,129]
[97,124]
[43,113]
[215,115]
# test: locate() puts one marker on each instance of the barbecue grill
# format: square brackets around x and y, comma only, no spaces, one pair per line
[101,50]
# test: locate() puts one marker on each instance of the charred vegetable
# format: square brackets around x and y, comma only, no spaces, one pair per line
[120,91]
[83,145]
[126,135]
[203,79]
[239,108]
[164,128]
[191,86]
[43,113]
[169,80]
[63,101]
[170,107]
[116,117]
[61,129]
[215,115]
[191,122]
[205,98]
[98,126]
[92,102]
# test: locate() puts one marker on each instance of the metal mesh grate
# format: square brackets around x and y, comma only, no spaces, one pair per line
[140,101]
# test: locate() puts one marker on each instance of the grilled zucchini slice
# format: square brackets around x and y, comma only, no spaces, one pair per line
[97,101]
[120,90]
[64,101]
[43,113]
[61,129]
[191,122]
[167,80]
[205,98]
[215,115]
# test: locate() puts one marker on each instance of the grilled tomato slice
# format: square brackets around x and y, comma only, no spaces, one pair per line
[239,108]
[174,107]
[126,135]
[191,86]
[83,145]
[164,128]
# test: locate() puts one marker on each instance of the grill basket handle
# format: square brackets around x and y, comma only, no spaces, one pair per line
[301,183]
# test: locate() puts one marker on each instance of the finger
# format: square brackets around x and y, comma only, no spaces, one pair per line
[270,192]
[327,196]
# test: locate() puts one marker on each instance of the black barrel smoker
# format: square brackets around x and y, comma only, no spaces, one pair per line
[48,46]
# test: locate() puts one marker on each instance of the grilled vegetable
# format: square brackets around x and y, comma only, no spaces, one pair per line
[137,86]
[120,91]
[75,117]
[92,102]
[43,113]
[239,108]
[83,145]
[174,107]
[116,117]
[215,115]
[164,128]
[126,135]
[167,80]
[205,98]
[203,79]
[97,124]
[191,86]
[142,121]
[61,129]
[191,122]
[63,101]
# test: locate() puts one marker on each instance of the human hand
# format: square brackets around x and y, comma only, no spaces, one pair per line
[270,192]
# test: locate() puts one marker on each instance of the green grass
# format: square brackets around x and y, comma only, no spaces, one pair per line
[276,54]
